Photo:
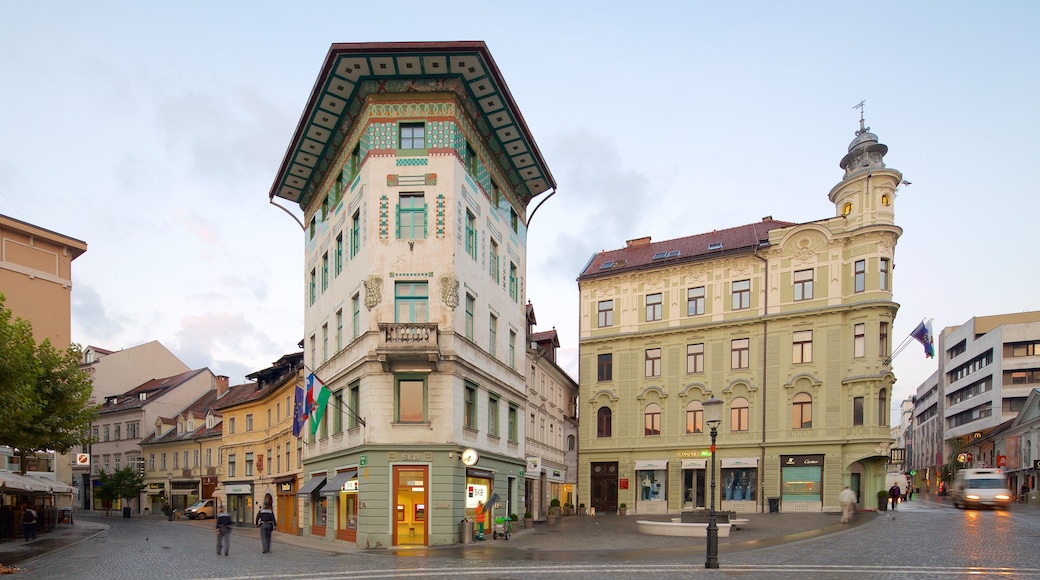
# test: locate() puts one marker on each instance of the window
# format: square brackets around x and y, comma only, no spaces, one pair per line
[133,430]
[471,161]
[413,136]
[151,462]
[860,274]
[883,274]
[1025,377]
[1020,349]
[249,464]
[514,425]
[339,330]
[695,358]
[740,353]
[514,221]
[325,272]
[803,280]
[471,234]
[514,283]
[355,406]
[695,301]
[231,426]
[882,409]
[603,422]
[604,367]
[652,420]
[858,338]
[802,408]
[411,400]
[209,457]
[325,209]
[496,194]
[339,255]
[313,288]
[493,262]
[249,422]
[314,227]
[694,417]
[493,415]
[606,313]
[739,413]
[410,301]
[162,460]
[512,349]
[116,432]
[471,305]
[802,343]
[324,342]
[741,294]
[653,307]
[653,362]
[492,334]
[231,465]
[355,306]
[411,216]
[337,412]
[883,339]
[469,418]
[355,233]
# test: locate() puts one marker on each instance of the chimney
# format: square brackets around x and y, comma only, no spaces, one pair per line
[768,218]
[638,242]
[222,385]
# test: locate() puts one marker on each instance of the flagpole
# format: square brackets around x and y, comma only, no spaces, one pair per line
[906,341]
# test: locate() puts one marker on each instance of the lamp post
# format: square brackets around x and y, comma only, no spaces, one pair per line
[713,417]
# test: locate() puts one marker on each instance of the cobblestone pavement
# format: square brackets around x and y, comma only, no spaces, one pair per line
[923,538]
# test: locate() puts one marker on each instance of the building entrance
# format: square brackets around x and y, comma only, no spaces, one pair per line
[410,504]
[604,487]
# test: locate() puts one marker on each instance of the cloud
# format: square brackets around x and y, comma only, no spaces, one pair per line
[88,313]
[221,341]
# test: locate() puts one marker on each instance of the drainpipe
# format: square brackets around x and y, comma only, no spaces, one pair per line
[765,346]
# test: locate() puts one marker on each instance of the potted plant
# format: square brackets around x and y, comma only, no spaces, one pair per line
[882,500]
[554,511]
[568,509]
[581,509]
[512,519]
[623,509]
[528,519]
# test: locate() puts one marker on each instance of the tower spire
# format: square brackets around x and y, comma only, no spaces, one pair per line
[860,105]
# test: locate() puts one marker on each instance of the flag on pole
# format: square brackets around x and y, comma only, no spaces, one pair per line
[317,399]
[923,335]
[298,411]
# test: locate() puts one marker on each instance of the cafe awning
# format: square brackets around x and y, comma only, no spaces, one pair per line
[312,486]
[54,485]
[336,484]
[10,481]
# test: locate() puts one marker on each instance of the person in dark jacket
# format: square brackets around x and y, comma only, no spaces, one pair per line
[28,522]
[223,521]
[265,520]
[894,494]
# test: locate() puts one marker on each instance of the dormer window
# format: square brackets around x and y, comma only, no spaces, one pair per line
[714,246]
[143,396]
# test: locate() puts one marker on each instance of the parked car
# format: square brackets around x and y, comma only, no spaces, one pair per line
[200,510]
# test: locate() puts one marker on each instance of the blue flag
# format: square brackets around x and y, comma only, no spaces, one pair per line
[923,335]
[298,409]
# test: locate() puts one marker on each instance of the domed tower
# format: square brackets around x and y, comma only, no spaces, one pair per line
[866,195]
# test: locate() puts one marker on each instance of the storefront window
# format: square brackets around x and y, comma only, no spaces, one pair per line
[652,484]
[347,508]
[739,484]
[320,516]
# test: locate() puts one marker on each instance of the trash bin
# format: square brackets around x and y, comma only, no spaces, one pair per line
[466,532]
[774,505]
[126,511]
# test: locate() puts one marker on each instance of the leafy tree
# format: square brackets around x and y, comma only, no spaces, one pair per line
[107,490]
[44,390]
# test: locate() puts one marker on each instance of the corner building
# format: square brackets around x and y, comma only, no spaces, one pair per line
[414,169]
[787,323]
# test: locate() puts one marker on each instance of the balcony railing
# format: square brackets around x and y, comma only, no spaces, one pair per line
[408,343]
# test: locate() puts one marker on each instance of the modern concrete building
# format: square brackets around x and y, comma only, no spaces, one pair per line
[414,169]
[787,323]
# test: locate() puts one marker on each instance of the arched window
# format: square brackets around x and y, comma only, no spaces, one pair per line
[570,443]
[603,421]
[882,409]
[739,415]
[802,408]
[694,417]
[652,420]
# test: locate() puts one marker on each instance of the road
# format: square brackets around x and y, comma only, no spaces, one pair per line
[923,539]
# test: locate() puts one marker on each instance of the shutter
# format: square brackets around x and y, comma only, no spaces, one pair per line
[397,211]
[425,221]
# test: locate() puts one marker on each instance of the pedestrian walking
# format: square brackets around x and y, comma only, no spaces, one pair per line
[28,522]
[847,499]
[265,520]
[894,495]
[223,531]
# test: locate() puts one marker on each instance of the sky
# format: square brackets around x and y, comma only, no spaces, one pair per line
[153,131]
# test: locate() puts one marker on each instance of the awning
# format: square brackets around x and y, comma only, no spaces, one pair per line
[740,462]
[694,463]
[10,481]
[336,484]
[284,479]
[652,464]
[312,486]
[54,485]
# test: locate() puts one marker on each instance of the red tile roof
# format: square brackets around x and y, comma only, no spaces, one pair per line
[640,253]
[153,389]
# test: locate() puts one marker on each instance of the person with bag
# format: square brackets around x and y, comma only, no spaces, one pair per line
[28,522]
[266,521]
[223,521]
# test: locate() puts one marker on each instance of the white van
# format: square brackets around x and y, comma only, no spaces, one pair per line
[980,487]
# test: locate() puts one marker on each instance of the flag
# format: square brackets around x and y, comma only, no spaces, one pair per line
[923,335]
[298,411]
[317,399]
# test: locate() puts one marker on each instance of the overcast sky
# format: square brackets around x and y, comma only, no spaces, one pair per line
[152,131]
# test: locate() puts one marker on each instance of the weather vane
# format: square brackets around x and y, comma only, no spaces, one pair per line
[860,106]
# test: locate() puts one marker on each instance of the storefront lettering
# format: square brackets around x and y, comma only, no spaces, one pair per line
[410,456]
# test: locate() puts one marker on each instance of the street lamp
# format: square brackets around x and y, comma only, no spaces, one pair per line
[713,417]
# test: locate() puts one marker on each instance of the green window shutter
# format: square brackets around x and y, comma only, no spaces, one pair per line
[397,211]
[425,221]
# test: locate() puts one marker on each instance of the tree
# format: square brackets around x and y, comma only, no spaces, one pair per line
[44,390]
[125,484]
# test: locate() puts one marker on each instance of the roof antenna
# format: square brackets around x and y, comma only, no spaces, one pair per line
[859,106]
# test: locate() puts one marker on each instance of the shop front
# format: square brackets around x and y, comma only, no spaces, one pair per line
[652,486]
[240,502]
[411,484]
[314,504]
[285,507]
[738,488]
[184,494]
[694,491]
[155,497]
[343,491]
[801,483]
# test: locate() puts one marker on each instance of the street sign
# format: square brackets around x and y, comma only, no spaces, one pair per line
[363,461]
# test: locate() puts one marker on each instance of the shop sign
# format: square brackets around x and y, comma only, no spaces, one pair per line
[238,489]
[285,487]
[351,485]
[692,454]
[1036,464]
[651,465]
[801,460]
[534,464]
[156,486]
[623,483]
[363,462]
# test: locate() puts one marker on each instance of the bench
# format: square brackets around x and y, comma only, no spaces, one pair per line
[674,528]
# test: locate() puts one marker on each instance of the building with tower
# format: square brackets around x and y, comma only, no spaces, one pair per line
[414,169]
[788,324]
